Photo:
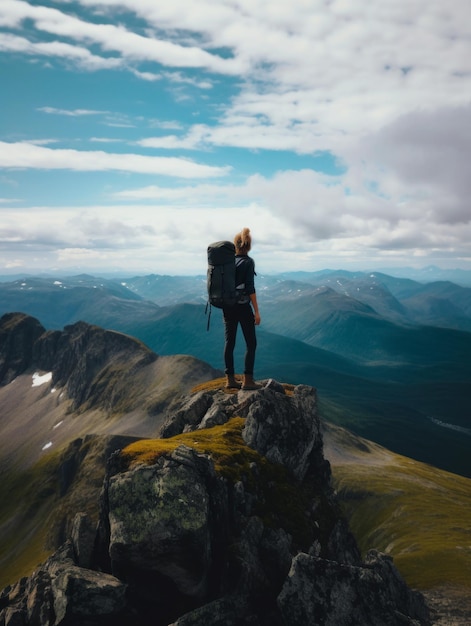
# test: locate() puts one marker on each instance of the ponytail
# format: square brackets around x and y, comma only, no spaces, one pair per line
[243,241]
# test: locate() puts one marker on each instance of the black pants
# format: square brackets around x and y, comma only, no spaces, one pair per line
[233,316]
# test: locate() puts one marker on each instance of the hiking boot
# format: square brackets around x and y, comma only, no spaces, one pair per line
[231,382]
[249,384]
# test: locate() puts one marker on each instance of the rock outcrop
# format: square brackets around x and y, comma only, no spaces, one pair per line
[18,334]
[92,364]
[228,519]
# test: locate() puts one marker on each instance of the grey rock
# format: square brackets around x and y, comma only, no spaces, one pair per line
[59,593]
[83,539]
[159,521]
[231,610]
[318,591]
[189,414]
[215,416]
[284,429]
[13,616]
[80,594]
[18,333]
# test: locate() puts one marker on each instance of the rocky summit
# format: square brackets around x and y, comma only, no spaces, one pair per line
[228,518]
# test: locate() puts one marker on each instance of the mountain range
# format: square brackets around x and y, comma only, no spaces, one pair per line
[388,355]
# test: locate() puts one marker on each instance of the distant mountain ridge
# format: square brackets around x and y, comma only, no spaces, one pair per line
[366,341]
[428,274]
[439,303]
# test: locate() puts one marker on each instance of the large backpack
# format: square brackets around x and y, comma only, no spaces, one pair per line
[221,279]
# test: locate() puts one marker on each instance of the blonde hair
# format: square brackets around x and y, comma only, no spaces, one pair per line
[243,241]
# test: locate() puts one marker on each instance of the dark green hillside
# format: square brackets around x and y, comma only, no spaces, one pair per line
[342,325]
[400,300]
[441,304]
[407,290]
[371,292]
[318,318]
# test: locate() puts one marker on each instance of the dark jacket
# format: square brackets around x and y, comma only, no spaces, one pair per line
[245,277]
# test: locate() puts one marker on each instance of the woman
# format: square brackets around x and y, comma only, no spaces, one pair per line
[244,312]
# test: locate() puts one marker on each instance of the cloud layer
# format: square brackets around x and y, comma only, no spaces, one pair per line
[383,88]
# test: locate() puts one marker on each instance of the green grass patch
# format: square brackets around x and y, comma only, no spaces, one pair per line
[28,499]
[417,513]
[35,517]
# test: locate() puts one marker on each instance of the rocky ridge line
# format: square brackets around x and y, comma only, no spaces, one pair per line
[181,542]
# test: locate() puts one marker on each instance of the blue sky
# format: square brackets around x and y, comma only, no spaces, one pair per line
[135,132]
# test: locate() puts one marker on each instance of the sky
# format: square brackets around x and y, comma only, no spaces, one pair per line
[133,133]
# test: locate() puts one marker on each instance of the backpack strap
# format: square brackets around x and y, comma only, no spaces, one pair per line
[208,304]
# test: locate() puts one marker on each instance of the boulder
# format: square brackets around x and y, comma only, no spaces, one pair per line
[59,593]
[159,521]
[82,595]
[188,415]
[318,591]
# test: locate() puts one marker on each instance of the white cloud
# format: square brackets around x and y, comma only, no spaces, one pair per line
[320,212]
[111,38]
[164,239]
[196,138]
[70,112]
[30,156]
[64,51]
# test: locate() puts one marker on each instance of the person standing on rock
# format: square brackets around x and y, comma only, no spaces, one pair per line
[245,312]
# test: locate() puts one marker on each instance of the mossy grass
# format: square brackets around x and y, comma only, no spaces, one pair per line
[224,444]
[417,513]
[219,383]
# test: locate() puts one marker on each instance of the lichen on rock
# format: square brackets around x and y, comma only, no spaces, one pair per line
[159,520]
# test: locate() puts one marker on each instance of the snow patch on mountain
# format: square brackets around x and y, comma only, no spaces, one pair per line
[41,379]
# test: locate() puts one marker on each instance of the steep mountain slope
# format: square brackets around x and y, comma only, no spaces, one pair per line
[416,513]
